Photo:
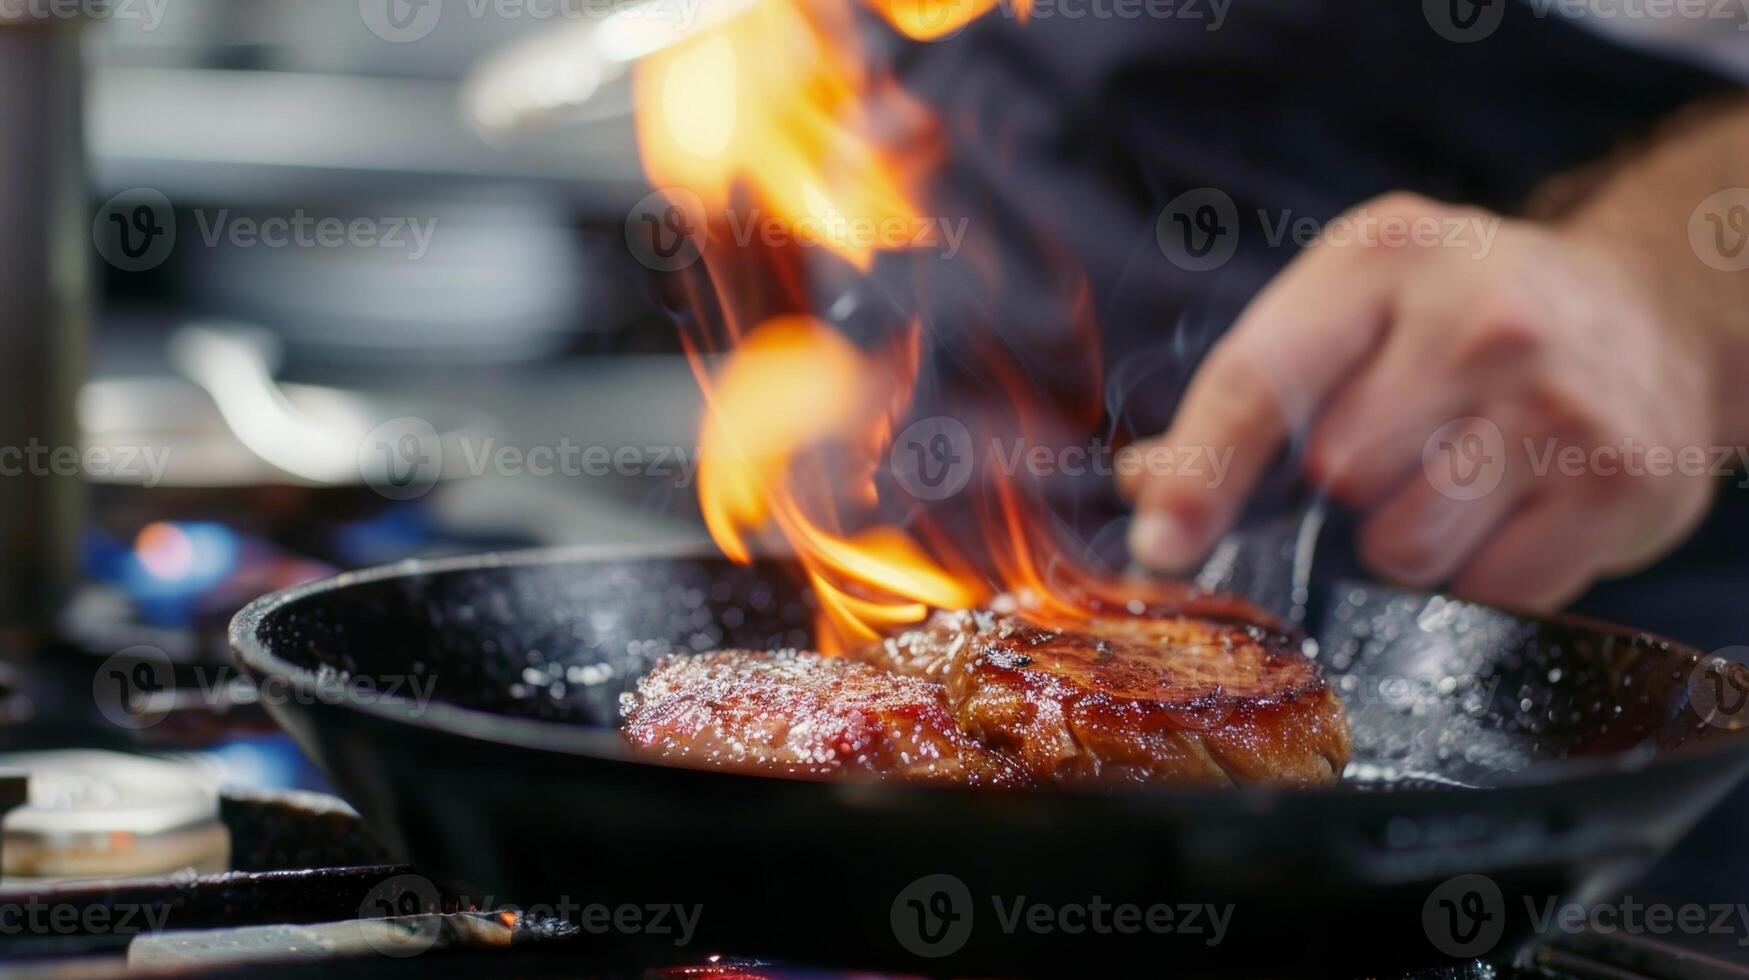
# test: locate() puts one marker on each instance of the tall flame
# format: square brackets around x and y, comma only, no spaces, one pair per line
[777,110]
[776,98]
[793,384]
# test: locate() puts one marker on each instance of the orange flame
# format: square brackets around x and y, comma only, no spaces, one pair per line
[777,108]
[793,384]
[776,98]
[930,20]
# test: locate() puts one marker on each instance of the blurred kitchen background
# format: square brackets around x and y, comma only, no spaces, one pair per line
[248,414]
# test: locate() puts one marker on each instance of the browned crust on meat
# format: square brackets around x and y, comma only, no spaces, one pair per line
[801,714]
[1165,698]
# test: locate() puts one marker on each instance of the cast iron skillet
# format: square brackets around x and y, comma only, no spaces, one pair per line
[1553,757]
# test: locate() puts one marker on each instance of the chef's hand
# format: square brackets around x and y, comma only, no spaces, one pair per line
[1423,371]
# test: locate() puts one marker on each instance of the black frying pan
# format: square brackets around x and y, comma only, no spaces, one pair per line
[1553,757]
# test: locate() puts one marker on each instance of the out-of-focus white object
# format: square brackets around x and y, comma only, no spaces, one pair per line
[567,75]
[234,368]
[104,814]
[231,423]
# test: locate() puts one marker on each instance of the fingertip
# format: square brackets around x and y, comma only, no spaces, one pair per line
[1164,542]
[1400,548]
[1404,574]
[1131,474]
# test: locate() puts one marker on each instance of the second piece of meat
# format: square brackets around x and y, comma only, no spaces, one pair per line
[1167,699]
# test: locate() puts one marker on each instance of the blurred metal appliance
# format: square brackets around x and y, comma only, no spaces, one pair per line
[44,252]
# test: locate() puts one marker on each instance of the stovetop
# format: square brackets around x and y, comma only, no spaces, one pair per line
[296,885]
[309,892]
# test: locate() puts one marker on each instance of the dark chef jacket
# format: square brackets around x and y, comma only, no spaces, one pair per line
[1082,130]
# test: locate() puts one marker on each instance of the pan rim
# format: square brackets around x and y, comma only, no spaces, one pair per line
[604,745]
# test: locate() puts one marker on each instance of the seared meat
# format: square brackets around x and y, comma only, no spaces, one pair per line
[804,714]
[1151,692]
[1157,699]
